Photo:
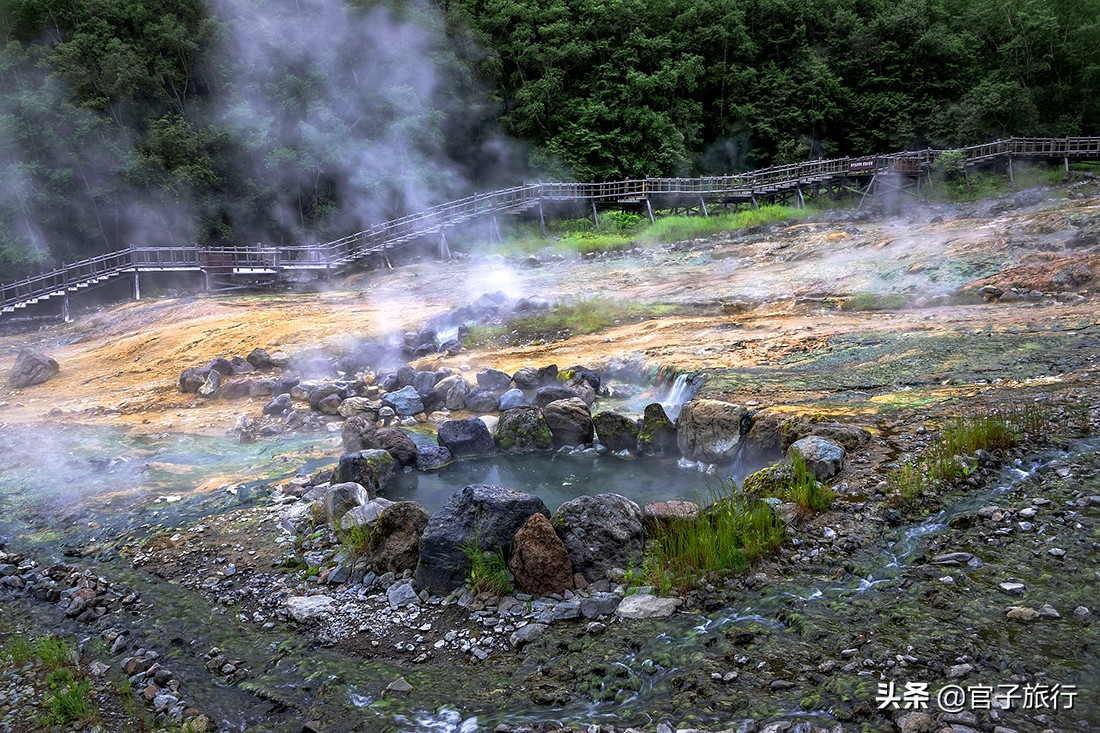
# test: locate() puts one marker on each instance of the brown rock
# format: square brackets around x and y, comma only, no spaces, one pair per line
[540,564]
[711,430]
[31,368]
[394,545]
[570,422]
[664,512]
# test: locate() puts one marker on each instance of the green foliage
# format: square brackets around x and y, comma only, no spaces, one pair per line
[868,301]
[488,571]
[585,316]
[68,699]
[19,649]
[791,482]
[726,537]
[355,540]
[679,228]
[54,651]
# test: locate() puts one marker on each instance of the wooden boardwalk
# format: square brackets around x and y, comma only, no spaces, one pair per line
[766,184]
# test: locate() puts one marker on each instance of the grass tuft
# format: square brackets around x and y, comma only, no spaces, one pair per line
[726,537]
[54,652]
[19,649]
[488,571]
[355,540]
[679,228]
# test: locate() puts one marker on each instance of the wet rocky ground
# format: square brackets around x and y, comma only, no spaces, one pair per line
[223,611]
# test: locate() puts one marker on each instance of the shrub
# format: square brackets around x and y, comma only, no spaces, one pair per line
[54,651]
[69,699]
[355,540]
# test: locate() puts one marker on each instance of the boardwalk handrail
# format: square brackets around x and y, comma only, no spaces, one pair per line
[395,232]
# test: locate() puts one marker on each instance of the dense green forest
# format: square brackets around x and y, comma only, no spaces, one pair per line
[292,121]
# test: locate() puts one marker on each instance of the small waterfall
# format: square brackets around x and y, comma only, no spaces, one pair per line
[682,390]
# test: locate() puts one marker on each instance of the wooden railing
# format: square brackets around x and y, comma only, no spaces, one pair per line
[396,232]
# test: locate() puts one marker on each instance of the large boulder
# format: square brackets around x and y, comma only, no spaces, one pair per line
[451,392]
[468,437]
[824,458]
[212,384]
[483,400]
[424,383]
[657,436]
[371,469]
[362,406]
[847,436]
[552,393]
[431,457]
[548,374]
[570,421]
[191,379]
[481,515]
[340,498]
[320,393]
[523,430]
[580,372]
[394,544]
[526,378]
[405,402]
[540,564]
[600,533]
[493,380]
[511,399]
[616,431]
[281,405]
[711,430]
[357,433]
[260,359]
[395,442]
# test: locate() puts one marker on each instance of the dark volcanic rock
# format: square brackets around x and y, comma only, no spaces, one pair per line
[616,431]
[451,392]
[657,436]
[260,359]
[526,378]
[482,400]
[279,406]
[487,516]
[397,443]
[600,533]
[552,393]
[523,430]
[33,367]
[191,379]
[371,469]
[394,544]
[570,422]
[357,433]
[493,380]
[468,437]
[431,457]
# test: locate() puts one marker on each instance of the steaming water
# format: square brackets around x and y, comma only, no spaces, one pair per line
[120,468]
[557,479]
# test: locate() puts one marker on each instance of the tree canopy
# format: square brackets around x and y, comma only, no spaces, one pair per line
[243,120]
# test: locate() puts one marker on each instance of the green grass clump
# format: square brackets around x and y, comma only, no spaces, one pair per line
[355,540]
[69,699]
[726,537]
[805,490]
[950,457]
[19,649]
[580,317]
[678,228]
[868,301]
[54,652]
[488,571]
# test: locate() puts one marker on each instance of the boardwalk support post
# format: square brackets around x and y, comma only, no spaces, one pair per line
[444,250]
[65,317]
[801,199]
[649,210]
[542,219]
[1011,177]
[595,216]
[1065,162]
[136,287]
[703,206]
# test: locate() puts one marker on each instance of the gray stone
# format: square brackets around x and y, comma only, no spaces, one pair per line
[523,430]
[616,431]
[711,430]
[468,437]
[394,544]
[308,608]
[493,380]
[33,367]
[431,457]
[405,402]
[281,405]
[451,392]
[824,458]
[570,422]
[601,532]
[599,604]
[342,498]
[482,400]
[526,634]
[511,399]
[402,594]
[641,605]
